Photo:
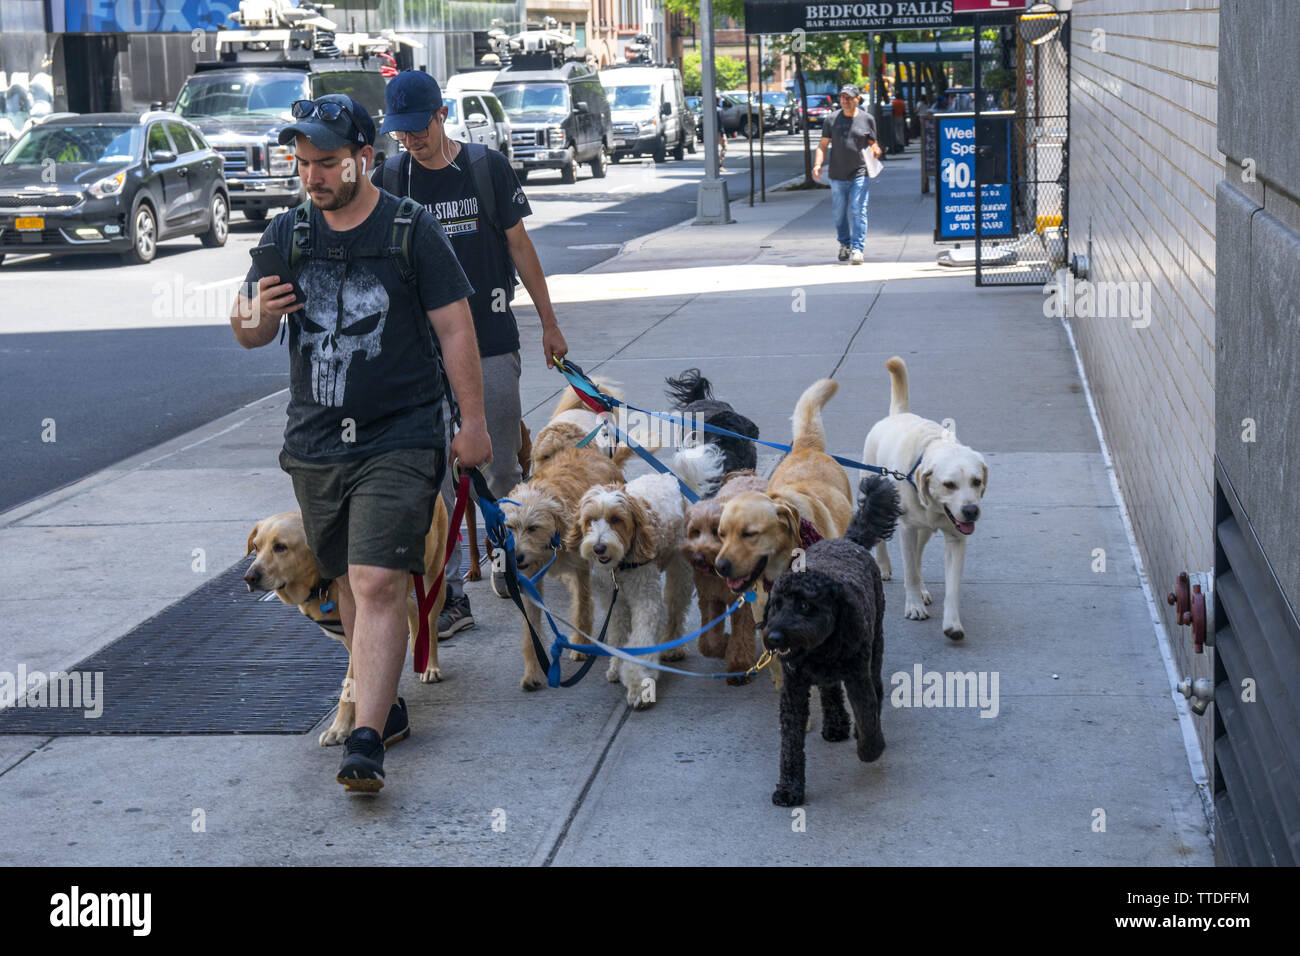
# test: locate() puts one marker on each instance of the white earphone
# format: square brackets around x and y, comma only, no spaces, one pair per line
[363,165]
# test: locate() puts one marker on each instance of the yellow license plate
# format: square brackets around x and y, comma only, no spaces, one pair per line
[29,222]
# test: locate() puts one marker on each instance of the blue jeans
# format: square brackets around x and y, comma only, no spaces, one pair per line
[849,205]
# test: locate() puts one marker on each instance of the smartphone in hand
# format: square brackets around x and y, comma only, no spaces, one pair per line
[269,262]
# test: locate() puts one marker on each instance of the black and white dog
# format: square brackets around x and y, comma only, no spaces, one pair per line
[825,622]
[692,393]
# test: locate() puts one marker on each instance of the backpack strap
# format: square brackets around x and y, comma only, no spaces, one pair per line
[399,244]
[300,245]
[395,170]
[481,173]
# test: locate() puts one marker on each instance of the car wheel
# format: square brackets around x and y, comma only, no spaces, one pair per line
[600,164]
[219,226]
[679,151]
[254,215]
[569,172]
[744,127]
[144,237]
[690,144]
[660,151]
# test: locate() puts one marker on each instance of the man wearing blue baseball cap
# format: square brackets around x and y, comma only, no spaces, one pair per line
[364,442]
[477,197]
[848,133]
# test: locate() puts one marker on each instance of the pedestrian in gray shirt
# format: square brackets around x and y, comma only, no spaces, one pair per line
[848,133]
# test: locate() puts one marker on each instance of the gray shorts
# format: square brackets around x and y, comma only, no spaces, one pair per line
[374,511]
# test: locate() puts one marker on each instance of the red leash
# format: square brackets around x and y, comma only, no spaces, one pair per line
[425,605]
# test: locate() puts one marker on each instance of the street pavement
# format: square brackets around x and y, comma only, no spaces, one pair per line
[1083,761]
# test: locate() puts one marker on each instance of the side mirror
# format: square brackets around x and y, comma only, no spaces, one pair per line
[476,119]
[665,109]
[161,157]
[582,107]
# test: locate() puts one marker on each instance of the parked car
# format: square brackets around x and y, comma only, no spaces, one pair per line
[122,182]
[559,116]
[763,104]
[242,106]
[816,108]
[648,108]
[476,116]
[733,111]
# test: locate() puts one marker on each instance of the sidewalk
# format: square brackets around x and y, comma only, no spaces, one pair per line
[1085,721]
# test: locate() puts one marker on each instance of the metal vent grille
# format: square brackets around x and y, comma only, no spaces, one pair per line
[1256,741]
[217,662]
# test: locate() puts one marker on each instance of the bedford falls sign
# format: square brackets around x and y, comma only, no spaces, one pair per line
[782,16]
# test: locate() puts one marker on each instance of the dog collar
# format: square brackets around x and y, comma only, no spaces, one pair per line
[915,465]
[808,534]
[626,566]
[319,592]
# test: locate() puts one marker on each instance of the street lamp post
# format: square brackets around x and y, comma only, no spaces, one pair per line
[712,206]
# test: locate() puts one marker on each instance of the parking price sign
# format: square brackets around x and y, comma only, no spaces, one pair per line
[955,193]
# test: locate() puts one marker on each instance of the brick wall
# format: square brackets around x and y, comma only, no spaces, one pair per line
[1144,167]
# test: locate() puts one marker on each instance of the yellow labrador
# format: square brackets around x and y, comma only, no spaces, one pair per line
[284,565]
[950,482]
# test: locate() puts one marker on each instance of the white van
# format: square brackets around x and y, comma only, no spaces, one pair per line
[649,111]
[474,114]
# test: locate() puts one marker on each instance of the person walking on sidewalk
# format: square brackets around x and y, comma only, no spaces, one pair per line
[364,442]
[847,133]
[476,196]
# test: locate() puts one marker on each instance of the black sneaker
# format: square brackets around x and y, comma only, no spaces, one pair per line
[844,253]
[397,727]
[455,617]
[362,770]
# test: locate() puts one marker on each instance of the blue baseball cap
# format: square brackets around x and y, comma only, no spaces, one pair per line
[332,134]
[411,98]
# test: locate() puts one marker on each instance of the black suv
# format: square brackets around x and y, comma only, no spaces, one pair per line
[559,116]
[241,108]
[105,182]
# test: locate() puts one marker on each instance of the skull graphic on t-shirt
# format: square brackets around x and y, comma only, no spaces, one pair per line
[335,328]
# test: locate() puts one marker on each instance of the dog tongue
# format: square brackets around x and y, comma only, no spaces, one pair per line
[966,527]
[735,583]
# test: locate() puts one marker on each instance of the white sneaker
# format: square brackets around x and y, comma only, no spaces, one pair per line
[856,258]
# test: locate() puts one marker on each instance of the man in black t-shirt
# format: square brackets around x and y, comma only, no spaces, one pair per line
[364,439]
[488,236]
[847,133]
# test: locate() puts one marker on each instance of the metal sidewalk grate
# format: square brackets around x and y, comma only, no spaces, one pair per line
[217,662]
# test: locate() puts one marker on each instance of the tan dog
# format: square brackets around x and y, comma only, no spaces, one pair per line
[546,508]
[284,565]
[700,547]
[571,421]
[950,480]
[759,531]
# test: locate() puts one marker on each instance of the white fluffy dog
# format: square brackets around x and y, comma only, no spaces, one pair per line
[630,533]
[950,479]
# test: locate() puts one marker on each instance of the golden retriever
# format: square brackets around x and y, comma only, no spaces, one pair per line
[284,564]
[950,480]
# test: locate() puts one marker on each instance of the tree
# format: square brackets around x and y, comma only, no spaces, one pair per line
[728,71]
[735,9]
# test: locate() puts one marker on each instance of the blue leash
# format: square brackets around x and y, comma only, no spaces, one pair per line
[578,379]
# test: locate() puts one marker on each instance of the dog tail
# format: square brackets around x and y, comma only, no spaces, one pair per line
[899,400]
[809,433]
[569,399]
[877,512]
[688,387]
[701,467]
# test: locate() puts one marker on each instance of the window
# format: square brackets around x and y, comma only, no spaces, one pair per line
[494,108]
[366,87]
[181,138]
[158,138]
[629,14]
[473,105]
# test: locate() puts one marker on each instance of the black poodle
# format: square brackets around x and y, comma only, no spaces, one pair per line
[692,393]
[825,623]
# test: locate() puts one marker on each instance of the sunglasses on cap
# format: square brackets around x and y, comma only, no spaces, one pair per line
[328,110]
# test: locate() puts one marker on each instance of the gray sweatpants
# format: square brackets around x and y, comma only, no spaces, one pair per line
[502,409]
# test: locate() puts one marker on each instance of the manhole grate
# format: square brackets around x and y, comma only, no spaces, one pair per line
[217,662]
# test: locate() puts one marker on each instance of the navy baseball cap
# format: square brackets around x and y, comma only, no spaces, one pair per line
[411,98]
[337,132]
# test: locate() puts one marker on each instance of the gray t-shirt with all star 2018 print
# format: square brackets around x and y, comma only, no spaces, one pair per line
[364,377]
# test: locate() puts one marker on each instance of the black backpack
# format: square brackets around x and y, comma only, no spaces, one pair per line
[397,180]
